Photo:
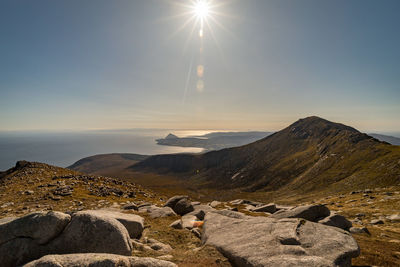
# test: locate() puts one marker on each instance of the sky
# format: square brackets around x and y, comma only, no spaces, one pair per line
[96,64]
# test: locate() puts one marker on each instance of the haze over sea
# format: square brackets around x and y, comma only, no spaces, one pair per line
[64,148]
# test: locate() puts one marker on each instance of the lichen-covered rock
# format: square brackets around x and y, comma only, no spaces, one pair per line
[98,260]
[93,233]
[38,234]
[40,226]
[261,241]
[133,223]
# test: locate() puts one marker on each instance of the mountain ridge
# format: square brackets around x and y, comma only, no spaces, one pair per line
[312,149]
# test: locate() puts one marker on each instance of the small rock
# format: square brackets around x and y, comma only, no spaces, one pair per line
[130,206]
[196,232]
[394,217]
[215,203]
[157,245]
[358,230]
[376,221]
[271,208]
[176,224]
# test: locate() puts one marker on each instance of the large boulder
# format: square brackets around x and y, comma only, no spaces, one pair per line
[38,234]
[40,226]
[133,223]
[98,260]
[183,206]
[309,212]
[261,241]
[93,233]
[337,220]
[180,204]
[173,200]
[157,212]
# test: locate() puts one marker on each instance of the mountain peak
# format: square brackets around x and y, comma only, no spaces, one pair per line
[317,127]
[171,136]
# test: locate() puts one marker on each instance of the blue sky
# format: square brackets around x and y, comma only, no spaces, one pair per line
[95,64]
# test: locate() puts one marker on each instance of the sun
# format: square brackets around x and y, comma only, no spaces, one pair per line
[201,9]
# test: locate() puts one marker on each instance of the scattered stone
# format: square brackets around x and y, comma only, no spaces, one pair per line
[157,245]
[244,201]
[376,221]
[29,192]
[271,208]
[337,220]
[196,232]
[359,230]
[7,204]
[173,200]
[309,212]
[394,217]
[130,206]
[100,259]
[183,206]
[176,224]
[145,204]
[214,204]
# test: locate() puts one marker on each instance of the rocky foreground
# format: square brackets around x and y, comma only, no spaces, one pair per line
[291,236]
[55,217]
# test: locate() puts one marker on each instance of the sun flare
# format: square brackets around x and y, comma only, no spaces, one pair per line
[201,9]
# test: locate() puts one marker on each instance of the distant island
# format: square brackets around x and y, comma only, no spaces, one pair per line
[213,141]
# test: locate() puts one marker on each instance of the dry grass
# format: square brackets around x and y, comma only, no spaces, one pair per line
[188,250]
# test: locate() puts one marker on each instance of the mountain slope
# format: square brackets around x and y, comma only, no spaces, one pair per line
[106,164]
[311,154]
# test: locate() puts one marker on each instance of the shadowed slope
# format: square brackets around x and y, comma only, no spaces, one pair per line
[106,164]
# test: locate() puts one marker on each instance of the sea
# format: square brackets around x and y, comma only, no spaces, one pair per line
[64,148]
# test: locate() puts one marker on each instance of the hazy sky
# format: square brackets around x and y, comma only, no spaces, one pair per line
[81,64]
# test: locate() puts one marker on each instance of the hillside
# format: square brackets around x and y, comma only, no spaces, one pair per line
[310,155]
[106,164]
